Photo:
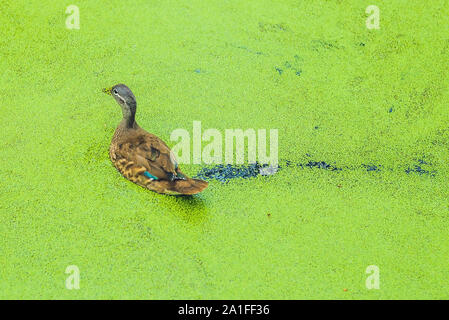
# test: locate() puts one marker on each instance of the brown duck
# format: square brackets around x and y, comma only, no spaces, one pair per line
[143,158]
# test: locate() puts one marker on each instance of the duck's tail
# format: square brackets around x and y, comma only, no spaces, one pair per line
[179,187]
[187,187]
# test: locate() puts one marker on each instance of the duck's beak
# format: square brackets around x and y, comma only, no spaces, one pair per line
[107,91]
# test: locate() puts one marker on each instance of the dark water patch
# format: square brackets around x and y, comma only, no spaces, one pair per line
[417,169]
[321,165]
[421,161]
[226,172]
[248,50]
[372,167]
[318,45]
[310,164]
[422,167]
[292,66]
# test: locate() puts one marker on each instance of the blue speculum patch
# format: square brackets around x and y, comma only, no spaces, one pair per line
[149,175]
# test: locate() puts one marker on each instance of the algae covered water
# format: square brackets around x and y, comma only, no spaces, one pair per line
[362,122]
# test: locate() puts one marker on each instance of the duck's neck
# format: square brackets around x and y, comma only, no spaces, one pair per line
[126,125]
[129,115]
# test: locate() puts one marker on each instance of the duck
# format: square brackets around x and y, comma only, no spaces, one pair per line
[142,157]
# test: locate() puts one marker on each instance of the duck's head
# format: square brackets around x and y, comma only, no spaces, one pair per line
[126,99]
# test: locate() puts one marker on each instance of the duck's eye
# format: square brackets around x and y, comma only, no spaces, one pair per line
[115,91]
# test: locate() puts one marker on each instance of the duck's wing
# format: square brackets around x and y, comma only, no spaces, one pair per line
[145,150]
